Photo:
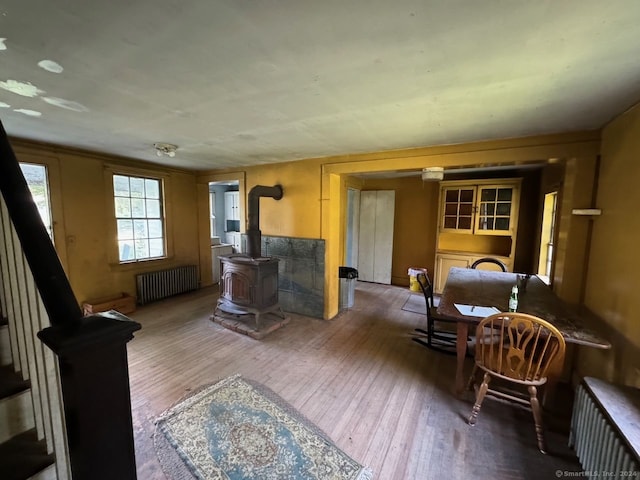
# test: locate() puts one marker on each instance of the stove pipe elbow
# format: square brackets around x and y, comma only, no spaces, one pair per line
[254,235]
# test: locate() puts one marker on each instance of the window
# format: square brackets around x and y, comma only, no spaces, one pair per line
[38,183]
[547,236]
[139,218]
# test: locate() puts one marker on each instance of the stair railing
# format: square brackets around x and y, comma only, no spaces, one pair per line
[92,376]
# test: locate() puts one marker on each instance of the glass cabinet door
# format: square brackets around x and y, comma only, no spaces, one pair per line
[495,204]
[458,209]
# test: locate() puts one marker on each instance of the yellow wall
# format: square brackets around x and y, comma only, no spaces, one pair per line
[312,205]
[84,220]
[315,191]
[614,261]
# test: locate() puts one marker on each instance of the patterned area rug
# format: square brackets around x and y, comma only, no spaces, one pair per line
[237,429]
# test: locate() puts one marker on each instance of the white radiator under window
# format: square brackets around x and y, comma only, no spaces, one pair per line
[605,429]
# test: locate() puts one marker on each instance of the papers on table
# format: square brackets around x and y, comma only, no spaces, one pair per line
[475,310]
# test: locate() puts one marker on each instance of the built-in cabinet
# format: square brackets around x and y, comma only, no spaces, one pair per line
[476,219]
[232,205]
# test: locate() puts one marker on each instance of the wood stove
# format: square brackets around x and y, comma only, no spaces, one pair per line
[249,286]
[249,283]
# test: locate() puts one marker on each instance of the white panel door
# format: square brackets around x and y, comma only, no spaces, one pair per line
[375,243]
[383,248]
[366,237]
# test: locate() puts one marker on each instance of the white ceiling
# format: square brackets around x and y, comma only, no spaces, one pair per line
[242,82]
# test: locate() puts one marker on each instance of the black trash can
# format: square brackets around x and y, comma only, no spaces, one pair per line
[348,277]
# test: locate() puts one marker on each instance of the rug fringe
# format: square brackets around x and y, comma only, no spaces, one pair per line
[365,474]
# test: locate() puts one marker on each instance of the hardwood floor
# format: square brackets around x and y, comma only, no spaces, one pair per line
[382,398]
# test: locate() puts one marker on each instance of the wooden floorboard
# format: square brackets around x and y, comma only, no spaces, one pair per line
[382,398]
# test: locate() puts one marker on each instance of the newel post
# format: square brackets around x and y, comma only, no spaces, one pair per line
[94,373]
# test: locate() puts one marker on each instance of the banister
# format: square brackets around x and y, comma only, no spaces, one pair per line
[50,278]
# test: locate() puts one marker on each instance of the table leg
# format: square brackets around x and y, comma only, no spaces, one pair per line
[462,332]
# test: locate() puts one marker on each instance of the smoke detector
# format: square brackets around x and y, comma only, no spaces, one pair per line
[165,149]
[433,173]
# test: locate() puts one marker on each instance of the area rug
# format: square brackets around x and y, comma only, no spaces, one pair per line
[237,429]
[416,304]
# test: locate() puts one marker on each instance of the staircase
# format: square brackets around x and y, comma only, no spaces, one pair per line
[31,417]
[22,454]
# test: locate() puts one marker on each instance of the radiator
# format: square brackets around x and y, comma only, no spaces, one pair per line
[165,283]
[600,442]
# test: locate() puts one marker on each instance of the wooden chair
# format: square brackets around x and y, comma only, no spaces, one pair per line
[518,349]
[434,339]
[495,261]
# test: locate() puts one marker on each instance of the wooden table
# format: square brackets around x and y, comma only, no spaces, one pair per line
[492,289]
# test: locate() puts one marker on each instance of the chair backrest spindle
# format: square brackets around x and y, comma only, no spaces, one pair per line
[518,346]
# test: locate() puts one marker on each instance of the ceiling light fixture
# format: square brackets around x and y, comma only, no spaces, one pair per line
[433,174]
[165,149]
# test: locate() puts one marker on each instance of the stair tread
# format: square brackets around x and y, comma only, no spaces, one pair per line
[23,456]
[11,383]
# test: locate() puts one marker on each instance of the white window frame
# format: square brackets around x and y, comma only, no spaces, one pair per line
[111,169]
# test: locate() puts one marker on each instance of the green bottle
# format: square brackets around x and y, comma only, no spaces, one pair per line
[513,299]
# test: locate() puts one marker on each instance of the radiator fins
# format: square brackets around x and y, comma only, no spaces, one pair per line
[152,286]
[596,443]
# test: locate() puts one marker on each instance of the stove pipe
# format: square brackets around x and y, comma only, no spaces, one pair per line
[254,235]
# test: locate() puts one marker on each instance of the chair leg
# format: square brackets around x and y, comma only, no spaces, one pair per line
[472,378]
[537,417]
[482,391]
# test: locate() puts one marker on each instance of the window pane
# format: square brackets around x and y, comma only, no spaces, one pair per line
[156,247]
[504,194]
[140,229]
[142,248]
[488,195]
[120,186]
[153,208]
[123,207]
[502,224]
[125,230]
[37,181]
[137,208]
[464,223]
[137,187]
[452,196]
[155,229]
[466,195]
[487,208]
[466,209]
[503,209]
[485,223]
[152,188]
[126,250]
[449,222]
